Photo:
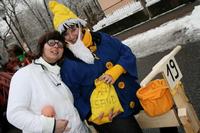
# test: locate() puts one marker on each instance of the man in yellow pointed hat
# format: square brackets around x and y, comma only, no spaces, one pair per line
[96,55]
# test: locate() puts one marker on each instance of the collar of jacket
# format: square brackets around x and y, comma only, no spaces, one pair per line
[52,68]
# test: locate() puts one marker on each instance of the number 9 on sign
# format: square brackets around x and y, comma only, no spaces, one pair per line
[172,72]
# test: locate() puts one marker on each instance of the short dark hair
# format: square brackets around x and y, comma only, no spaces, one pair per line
[18,50]
[55,35]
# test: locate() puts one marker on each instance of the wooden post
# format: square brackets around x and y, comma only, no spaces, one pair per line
[186,112]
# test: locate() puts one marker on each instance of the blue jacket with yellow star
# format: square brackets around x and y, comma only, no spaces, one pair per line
[79,76]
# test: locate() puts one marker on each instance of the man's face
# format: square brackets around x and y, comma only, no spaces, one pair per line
[71,34]
[73,38]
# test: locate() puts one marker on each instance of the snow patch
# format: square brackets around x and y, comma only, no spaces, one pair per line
[176,32]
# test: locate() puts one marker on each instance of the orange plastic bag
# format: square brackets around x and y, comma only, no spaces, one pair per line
[103,99]
[155,97]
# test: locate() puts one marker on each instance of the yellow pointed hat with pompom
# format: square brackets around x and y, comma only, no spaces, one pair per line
[63,16]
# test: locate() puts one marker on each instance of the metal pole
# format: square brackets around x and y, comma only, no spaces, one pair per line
[146,10]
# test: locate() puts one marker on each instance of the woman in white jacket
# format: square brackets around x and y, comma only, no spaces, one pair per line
[38,85]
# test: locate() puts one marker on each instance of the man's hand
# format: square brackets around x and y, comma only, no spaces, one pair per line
[101,116]
[112,114]
[107,79]
[61,126]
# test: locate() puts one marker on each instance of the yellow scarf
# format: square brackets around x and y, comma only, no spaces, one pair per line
[116,70]
[87,40]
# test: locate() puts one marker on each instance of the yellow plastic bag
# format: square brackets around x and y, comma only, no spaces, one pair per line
[155,97]
[103,99]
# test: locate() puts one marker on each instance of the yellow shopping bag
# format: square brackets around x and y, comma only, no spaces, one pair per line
[103,99]
[155,97]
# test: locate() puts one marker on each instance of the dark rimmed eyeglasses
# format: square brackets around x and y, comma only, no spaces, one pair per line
[52,43]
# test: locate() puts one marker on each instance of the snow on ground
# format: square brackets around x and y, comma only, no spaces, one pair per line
[166,36]
[182,31]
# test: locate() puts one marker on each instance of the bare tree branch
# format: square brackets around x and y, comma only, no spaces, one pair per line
[32,11]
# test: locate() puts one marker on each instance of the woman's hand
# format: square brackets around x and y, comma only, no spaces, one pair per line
[107,79]
[61,126]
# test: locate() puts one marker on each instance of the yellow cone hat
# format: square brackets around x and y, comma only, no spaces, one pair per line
[63,16]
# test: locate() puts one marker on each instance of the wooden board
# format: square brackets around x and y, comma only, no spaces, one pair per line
[168,119]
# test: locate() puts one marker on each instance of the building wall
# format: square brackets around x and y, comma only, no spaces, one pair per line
[110,6]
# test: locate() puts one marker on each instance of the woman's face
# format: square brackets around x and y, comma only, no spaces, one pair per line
[71,34]
[52,51]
